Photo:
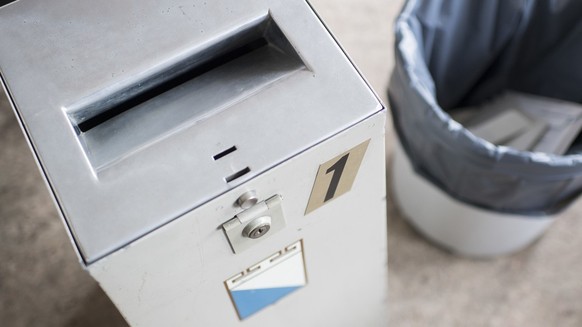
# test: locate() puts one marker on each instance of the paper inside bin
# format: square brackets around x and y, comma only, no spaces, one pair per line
[525,122]
[504,126]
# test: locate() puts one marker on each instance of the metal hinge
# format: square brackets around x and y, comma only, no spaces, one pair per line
[255,224]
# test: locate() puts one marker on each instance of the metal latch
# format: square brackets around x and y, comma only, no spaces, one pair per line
[254,224]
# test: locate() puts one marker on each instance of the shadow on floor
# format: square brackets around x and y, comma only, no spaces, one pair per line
[96,310]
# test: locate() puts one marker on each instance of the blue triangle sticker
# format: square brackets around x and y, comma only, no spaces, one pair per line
[249,302]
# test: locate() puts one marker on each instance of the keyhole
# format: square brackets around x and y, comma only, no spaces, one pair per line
[260,231]
[258,227]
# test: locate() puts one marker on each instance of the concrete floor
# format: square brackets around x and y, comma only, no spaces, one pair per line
[42,284]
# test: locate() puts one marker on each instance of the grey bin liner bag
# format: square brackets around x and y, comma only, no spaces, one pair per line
[452,54]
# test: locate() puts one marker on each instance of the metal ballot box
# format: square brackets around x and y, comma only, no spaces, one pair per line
[216,163]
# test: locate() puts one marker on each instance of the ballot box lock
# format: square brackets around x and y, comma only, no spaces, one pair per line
[258,227]
[258,222]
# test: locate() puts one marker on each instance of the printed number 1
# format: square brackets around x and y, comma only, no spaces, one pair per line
[337,169]
[336,176]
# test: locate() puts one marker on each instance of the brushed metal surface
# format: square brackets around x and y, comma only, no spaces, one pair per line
[55,54]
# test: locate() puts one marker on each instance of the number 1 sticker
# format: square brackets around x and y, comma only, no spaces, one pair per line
[336,176]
